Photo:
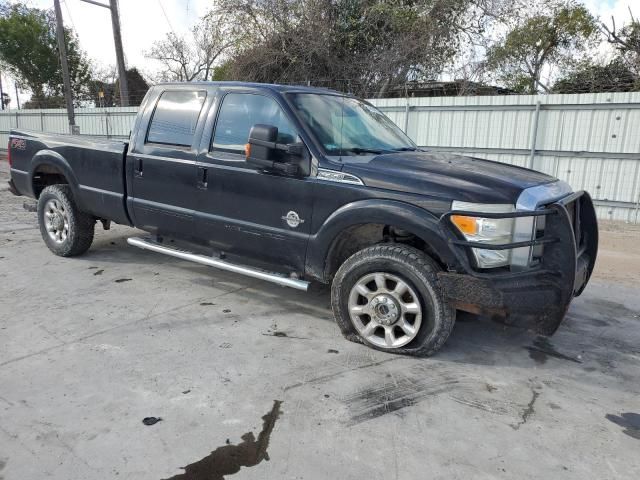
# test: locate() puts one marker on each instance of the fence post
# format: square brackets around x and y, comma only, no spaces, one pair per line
[42,121]
[17,120]
[106,121]
[406,117]
[534,134]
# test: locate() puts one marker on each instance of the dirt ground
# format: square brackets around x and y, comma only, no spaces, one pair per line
[254,381]
[619,253]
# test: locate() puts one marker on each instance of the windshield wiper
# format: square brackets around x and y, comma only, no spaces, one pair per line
[406,149]
[360,151]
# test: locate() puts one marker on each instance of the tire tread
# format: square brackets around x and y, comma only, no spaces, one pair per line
[410,257]
[81,224]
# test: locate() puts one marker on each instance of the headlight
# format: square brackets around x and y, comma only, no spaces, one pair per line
[494,231]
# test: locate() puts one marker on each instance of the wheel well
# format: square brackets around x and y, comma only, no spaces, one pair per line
[46,175]
[361,236]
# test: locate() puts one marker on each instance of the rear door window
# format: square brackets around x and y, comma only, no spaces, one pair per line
[241,111]
[175,117]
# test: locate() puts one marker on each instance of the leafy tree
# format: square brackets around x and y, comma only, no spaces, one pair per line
[221,72]
[49,101]
[554,35]
[104,88]
[138,87]
[591,78]
[28,50]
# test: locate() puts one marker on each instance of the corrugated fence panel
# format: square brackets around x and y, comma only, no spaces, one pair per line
[591,141]
[104,122]
[55,122]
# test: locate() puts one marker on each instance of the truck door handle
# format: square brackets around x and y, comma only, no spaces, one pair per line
[137,169]
[202,178]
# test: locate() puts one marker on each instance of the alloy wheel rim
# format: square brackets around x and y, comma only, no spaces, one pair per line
[385,310]
[56,221]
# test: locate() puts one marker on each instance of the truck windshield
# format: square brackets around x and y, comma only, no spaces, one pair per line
[348,126]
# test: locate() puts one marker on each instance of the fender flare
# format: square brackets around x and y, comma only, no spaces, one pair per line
[418,221]
[53,159]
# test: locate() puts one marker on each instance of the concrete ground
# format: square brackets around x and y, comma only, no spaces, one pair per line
[255,381]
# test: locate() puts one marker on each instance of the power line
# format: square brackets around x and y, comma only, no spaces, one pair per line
[66,6]
[166,17]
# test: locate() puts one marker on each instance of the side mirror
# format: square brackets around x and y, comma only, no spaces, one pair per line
[262,142]
[263,151]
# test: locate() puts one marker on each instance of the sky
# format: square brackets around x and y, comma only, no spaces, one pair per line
[141,22]
[145,21]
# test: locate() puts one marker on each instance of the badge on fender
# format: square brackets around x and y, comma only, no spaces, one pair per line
[293,219]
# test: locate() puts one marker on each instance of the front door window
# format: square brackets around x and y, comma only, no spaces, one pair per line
[241,111]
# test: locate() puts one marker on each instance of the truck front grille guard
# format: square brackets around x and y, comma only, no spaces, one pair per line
[460,247]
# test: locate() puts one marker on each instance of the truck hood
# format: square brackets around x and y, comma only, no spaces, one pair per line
[445,175]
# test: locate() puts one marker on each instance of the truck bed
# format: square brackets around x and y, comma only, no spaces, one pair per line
[94,168]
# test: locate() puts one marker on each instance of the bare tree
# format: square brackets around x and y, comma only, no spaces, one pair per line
[481,27]
[193,57]
[367,47]
[625,40]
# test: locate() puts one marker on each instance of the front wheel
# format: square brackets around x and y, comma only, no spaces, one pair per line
[388,297]
[66,230]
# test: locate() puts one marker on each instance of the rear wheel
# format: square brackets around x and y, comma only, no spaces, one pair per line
[65,230]
[388,297]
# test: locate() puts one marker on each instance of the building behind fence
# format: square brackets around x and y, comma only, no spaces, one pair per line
[592,141]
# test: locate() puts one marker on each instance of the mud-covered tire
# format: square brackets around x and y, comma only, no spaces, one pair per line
[78,227]
[419,272]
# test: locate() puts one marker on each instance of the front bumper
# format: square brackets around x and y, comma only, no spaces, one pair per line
[540,294]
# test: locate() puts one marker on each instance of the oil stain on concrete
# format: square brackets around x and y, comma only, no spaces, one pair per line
[542,349]
[284,335]
[528,411]
[228,459]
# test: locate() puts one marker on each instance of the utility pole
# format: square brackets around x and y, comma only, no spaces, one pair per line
[62,48]
[1,92]
[117,40]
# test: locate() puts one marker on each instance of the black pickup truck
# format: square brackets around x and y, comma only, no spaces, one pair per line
[292,184]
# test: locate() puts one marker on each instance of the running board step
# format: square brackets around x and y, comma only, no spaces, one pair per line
[221,264]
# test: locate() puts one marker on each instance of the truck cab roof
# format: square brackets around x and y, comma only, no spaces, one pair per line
[264,86]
